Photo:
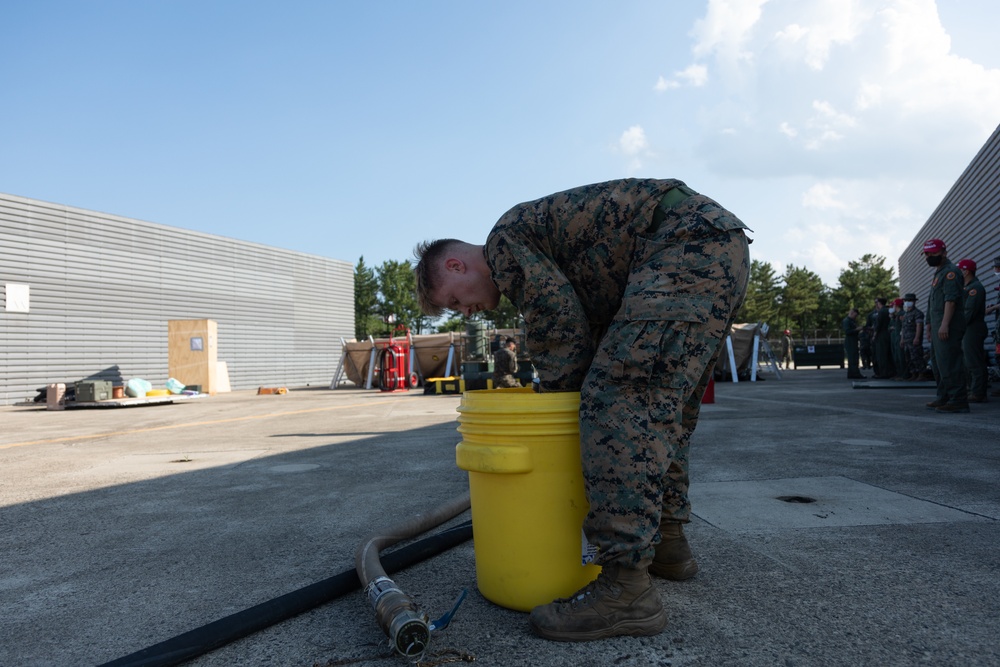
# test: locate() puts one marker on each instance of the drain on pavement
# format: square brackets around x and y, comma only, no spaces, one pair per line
[811,502]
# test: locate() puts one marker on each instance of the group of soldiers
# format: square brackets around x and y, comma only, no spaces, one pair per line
[891,341]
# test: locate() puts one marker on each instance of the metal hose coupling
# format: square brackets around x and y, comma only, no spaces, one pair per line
[407,628]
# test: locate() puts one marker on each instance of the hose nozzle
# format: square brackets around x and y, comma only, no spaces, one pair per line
[399,617]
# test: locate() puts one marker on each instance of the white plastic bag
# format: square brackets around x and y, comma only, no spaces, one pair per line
[137,387]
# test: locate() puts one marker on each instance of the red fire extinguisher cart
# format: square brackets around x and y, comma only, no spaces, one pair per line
[394,364]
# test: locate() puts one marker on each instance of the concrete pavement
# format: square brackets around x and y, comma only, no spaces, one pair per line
[834,526]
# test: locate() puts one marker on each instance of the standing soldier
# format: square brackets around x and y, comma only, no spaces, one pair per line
[995,309]
[627,289]
[786,348]
[851,330]
[946,322]
[505,365]
[882,341]
[913,337]
[896,324]
[865,343]
[975,331]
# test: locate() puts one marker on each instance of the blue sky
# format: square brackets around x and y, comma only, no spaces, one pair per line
[832,127]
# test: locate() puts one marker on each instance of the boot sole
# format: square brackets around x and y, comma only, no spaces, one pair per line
[643,627]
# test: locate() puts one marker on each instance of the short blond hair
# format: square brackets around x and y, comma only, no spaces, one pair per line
[428,272]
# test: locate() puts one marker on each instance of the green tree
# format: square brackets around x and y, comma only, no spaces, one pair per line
[763,290]
[862,281]
[504,316]
[366,319]
[397,288]
[800,298]
[456,323]
[828,315]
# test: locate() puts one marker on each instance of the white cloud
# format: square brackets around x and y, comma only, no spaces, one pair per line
[663,85]
[634,145]
[822,196]
[694,75]
[842,220]
[855,86]
[869,95]
[828,24]
[827,124]
[726,29]
[853,116]
[633,141]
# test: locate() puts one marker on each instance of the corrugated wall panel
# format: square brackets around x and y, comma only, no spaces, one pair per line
[103,287]
[967,220]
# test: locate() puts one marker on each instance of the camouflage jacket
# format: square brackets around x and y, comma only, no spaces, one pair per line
[504,362]
[565,260]
[912,318]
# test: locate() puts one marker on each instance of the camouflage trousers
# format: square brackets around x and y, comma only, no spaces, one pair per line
[915,357]
[505,381]
[642,395]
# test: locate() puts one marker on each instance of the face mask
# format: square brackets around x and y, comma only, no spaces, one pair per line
[934,260]
[891,310]
[908,305]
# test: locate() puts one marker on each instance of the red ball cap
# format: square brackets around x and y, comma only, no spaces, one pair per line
[967,265]
[897,303]
[934,245]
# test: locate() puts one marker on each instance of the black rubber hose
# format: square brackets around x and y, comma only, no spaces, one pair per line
[218,633]
[382,370]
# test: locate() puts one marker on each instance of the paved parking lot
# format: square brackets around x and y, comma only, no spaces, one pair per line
[834,526]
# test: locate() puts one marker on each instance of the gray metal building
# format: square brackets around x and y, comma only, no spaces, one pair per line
[88,294]
[967,220]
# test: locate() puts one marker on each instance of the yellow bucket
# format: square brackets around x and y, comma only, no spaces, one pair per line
[522,451]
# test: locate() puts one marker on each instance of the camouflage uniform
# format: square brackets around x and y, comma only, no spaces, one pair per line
[896,334]
[913,318]
[504,367]
[627,289]
[947,286]
[975,337]
[786,350]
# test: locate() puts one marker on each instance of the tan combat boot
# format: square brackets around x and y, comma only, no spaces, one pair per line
[621,601]
[673,559]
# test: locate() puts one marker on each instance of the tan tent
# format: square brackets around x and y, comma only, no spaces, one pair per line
[430,354]
[742,337]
